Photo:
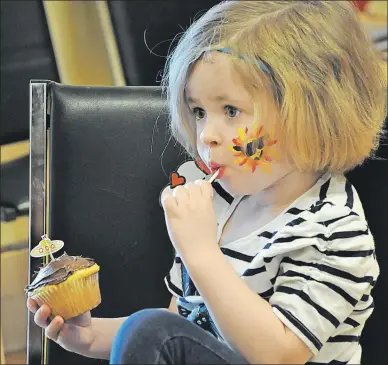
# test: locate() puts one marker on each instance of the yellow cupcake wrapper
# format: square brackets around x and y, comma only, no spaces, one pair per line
[76,295]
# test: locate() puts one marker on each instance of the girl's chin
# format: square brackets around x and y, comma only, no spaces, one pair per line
[229,184]
[237,183]
[235,189]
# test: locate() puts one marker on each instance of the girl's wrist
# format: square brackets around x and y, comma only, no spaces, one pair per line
[201,255]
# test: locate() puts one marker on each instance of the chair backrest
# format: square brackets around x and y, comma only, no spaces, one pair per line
[26,52]
[110,156]
[143,25]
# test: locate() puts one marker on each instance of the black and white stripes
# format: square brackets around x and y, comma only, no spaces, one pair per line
[315,264]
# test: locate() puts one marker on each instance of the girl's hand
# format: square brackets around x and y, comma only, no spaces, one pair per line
[190,218]
[74,335]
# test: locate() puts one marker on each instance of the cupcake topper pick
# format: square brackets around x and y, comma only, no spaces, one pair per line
[46,247]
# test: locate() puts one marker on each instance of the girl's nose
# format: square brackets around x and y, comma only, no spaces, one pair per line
[210,136]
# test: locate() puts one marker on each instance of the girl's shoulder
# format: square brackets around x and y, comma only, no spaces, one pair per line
[328,219]
[332,203]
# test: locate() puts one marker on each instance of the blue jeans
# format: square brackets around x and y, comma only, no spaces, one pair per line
[157,336]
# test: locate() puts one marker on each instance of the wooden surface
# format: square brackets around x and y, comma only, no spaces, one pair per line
[16,358]
[84,44]
[2,358]
[14,266]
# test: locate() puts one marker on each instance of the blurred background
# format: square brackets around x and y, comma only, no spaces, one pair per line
[81,43]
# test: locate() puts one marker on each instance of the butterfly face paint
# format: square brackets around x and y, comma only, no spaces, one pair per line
[254,149]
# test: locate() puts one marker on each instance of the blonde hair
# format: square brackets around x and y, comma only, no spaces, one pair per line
[327,81]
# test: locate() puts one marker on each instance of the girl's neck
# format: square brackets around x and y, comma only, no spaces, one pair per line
[285,191]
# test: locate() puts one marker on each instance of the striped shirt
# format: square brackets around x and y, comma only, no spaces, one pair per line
[314,263]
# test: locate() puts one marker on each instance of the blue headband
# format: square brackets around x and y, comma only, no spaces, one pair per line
[264,66]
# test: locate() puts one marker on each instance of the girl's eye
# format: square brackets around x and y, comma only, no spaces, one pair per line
[199,113]
[231,111]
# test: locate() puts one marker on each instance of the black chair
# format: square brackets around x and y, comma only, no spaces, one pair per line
[110,156]
[141,26]
[26,52]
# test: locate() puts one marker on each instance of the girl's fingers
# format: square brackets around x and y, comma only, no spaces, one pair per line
[53,329]
[181,194]
[42,315]
[32,305]
[206,188]
[169,203]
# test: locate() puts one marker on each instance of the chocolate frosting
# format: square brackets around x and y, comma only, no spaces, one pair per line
[58,270]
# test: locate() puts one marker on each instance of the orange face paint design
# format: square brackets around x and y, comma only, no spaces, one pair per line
[256,149]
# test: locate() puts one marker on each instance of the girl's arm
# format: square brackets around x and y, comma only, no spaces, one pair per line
[105,330]
[246,321]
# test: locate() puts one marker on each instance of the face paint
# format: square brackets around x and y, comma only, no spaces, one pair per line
[255,149]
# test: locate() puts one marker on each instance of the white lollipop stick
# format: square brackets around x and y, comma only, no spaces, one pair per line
[214,176]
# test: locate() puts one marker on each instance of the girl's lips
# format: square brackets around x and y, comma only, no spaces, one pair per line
[214,166]
[221,169]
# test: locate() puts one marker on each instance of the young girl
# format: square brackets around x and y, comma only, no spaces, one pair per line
[275,262]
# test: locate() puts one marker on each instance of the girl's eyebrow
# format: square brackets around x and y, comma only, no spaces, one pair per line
[191,100]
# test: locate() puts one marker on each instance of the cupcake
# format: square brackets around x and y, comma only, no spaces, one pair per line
[68,285]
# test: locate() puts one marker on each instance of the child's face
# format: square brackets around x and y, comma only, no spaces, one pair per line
[221,105]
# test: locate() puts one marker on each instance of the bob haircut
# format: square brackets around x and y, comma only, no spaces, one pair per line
[326,78]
